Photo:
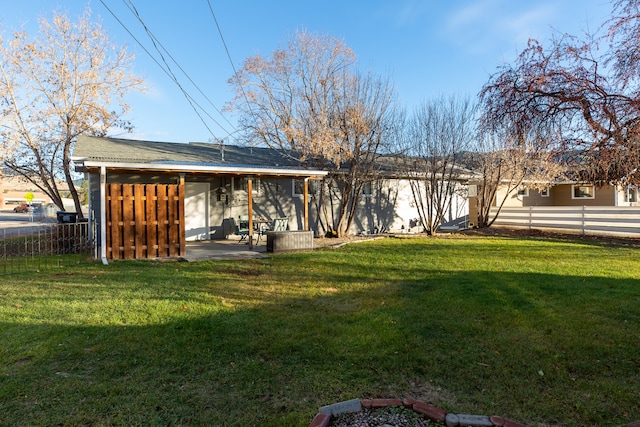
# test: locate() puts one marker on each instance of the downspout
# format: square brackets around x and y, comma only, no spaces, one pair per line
[103,214]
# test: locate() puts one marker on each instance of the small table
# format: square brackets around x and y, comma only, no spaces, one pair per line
[259,225]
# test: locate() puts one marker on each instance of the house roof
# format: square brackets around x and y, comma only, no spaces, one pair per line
[94,152]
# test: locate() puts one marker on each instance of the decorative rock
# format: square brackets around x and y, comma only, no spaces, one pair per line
[321,420]
[452,420]
[430,411]
[352,405]
[474,420]
[408,402]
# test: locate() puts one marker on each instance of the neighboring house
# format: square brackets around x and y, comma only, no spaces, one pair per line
[569,206]
[573,194]
[13,190]
[170,193]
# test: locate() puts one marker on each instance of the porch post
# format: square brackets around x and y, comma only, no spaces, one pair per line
[103,214]
[306,204]
[250,209]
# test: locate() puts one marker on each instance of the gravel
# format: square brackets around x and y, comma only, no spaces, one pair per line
[392,416]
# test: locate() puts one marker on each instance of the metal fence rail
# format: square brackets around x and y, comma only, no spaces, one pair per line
[38,247]
[586,220]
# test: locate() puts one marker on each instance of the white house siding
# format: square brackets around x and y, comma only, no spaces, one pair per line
[391,208]
[196,210]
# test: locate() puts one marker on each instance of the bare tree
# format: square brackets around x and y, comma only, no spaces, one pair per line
[66,81]
[440,133]
[310,99]
[588,94]
[504,162]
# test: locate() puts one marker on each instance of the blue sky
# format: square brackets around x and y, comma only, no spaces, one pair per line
[427,47]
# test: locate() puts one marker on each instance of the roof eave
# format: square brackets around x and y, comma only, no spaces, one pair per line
[163,167]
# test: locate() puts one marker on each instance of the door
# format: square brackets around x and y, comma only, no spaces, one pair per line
[196,211]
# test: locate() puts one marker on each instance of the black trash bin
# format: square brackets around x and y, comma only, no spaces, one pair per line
[66,217]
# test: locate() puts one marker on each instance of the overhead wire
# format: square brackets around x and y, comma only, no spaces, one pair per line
[155,40]
[170,72]
[167,69]
[226,48]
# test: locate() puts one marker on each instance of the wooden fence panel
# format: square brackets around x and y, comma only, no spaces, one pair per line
[145,221]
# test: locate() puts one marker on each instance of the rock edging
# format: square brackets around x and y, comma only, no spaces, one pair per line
[433,413]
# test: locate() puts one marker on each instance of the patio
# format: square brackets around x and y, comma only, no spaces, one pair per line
[224,250]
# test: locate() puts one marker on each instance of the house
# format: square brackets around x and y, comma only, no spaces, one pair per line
[568,207]
[149,198]
[14,190]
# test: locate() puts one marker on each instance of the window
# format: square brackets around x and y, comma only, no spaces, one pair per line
[631,194]
[242,184]
[544,192]
[367,190]
[298,187]
[583,191]
[523,192]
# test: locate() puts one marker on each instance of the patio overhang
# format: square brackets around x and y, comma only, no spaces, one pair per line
[198,168]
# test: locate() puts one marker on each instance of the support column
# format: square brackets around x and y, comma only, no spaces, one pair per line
[306,204]
[250,209]
[103,215]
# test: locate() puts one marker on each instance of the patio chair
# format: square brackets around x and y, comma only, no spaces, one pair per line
[279,224]
[243,221]
[242,232]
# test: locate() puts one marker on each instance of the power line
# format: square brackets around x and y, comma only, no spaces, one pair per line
[155,40]
[190,99]
[224,43]
[192,102]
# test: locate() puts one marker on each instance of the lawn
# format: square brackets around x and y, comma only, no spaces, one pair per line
[542,331]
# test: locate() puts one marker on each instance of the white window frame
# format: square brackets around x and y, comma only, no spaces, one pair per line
[297,182]
[631,194]
[367,189]
[241,184]
[522,192]
[590,196]
[545,192]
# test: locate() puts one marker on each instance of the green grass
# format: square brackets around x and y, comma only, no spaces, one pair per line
[539,331]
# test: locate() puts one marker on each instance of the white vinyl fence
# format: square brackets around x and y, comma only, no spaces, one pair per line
[587,220]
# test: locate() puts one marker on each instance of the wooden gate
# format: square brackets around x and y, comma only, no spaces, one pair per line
[145,221]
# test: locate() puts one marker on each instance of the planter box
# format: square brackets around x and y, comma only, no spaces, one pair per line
[282,241]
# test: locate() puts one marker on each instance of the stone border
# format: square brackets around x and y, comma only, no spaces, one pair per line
[433,413]
[323,418]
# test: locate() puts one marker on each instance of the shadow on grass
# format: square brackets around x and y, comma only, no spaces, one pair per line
[237,348]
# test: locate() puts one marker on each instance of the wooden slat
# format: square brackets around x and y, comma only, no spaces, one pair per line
[128,224]
[116,221]
[140,222]
[162,221]
[152,220]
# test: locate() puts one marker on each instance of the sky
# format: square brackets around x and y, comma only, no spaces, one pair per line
[427,48]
